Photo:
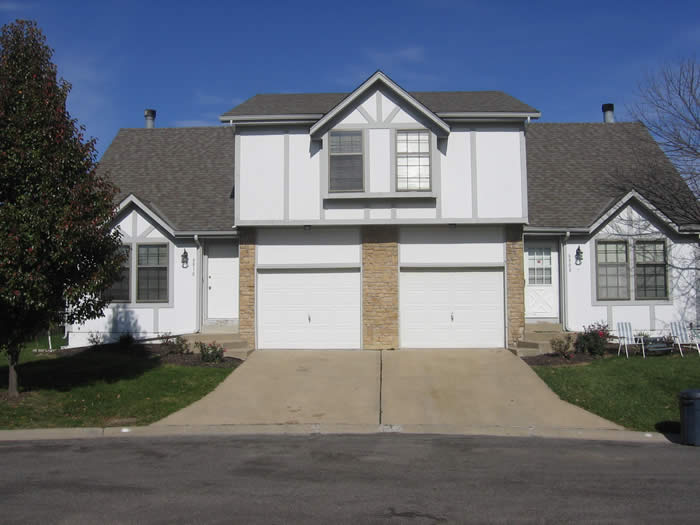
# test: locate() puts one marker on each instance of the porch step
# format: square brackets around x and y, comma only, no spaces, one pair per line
[536,339]
[233,345]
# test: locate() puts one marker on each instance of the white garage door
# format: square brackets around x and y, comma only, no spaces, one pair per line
[451,308]
[309,309]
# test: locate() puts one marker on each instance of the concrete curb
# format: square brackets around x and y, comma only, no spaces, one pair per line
[329,429]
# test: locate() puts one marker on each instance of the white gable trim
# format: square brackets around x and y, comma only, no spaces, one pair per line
[133,199]
[318,128]
[138,203]
[609,214]
[623,201]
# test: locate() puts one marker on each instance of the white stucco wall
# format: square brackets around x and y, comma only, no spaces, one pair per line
[261,182]
[499,174]
[304,177]
[631,224]
[476,172]
[146,320]
[456,176]
[442,245]
[380,160]
[317,246]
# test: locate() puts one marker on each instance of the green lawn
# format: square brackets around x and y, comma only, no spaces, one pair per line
[640,394]
[101,388]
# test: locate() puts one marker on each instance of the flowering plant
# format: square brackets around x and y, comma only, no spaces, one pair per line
[593,339]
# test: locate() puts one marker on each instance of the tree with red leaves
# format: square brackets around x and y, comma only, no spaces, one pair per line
[58,250]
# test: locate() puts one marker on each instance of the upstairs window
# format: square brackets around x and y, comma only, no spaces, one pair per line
[119,291]
[612,270]
[346,163]
[152,273]
[650,270]
[412,161]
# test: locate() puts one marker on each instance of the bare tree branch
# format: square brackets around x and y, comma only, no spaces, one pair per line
[668,106]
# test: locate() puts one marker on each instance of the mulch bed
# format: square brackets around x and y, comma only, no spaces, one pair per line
[164,352]
[167,355]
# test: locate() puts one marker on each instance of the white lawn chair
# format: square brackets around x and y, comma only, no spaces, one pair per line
[626,337]
[682,336]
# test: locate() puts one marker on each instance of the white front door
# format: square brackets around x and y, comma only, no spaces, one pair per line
[222,280]
[451,308]
[309,309]
[541,279]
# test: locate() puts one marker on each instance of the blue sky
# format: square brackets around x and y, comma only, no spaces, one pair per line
[194,60]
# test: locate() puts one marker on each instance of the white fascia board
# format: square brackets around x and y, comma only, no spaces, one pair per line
[489,115]
[312,117]
[133,199]
[367,84]
[207,233]
[623,201]
[633,194]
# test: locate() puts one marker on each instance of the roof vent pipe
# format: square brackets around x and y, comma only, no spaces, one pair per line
[150,115]
[609,113]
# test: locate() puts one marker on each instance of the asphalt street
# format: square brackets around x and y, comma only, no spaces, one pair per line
[379,478]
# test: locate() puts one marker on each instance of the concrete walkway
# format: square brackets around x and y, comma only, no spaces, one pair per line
[422,389]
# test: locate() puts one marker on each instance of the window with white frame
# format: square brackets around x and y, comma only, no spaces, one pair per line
[152,273]
[612,270]
[412,160]
[539,266]
[650,270]
[120,291]
[346,171]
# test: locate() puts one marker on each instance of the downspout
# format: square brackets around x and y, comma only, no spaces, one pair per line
[198,287]
[564,270]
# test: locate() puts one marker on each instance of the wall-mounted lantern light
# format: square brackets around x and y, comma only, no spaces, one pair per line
[579,256]
[307,227]
[184,259]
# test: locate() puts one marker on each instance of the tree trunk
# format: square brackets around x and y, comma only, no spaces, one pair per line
[12,385]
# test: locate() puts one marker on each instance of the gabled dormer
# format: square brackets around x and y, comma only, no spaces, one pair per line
[380,155]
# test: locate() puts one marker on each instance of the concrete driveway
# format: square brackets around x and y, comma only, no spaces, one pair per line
[292,387]
[456,388]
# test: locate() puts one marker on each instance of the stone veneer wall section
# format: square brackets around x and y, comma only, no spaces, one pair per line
[246,279]
[515,284]
[380,288]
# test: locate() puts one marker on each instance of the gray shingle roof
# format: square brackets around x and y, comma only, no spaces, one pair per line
[576,172]
[436,101]
[185,175]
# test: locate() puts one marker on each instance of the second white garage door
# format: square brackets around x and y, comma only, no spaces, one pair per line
[309,309]
[451,308]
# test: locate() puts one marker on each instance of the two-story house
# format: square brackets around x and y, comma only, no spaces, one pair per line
[390,219]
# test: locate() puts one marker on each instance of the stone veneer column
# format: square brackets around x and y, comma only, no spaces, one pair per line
[246,285]
[380,288]
[515,283]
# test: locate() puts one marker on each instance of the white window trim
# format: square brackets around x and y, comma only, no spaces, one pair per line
[632,301]
[634,267]
[167,271]
[361,155]
[429,156]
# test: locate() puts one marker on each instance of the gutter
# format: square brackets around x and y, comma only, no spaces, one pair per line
[205,233]
[547,229]
[199,277]
[564,270]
